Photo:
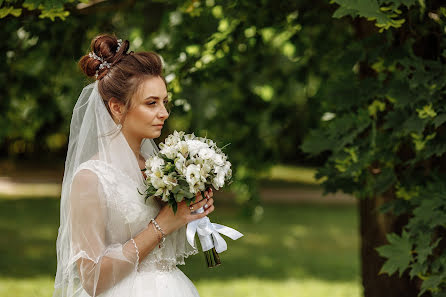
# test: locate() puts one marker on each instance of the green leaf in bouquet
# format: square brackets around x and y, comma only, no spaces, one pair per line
[178,197]
[189,194]
[165,158]
[169,167]
[174,205]
[176,189]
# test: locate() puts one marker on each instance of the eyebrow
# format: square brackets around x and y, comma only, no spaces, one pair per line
[155,97]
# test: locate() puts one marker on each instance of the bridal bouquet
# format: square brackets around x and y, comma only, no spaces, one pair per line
[185,165]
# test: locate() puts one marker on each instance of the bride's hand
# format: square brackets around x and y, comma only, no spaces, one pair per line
[170,222]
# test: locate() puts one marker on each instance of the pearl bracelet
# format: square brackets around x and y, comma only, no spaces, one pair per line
[163,235]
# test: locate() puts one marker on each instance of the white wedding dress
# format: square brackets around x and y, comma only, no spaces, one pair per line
[157,275]
[102,212]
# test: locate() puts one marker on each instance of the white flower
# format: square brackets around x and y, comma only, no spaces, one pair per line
[165,197]
[183,148]
[210,142]
[205,169]
[189,136]
[173,139]
[154,163]
[195,146]
[218,160]
[158,173]
[159,192]
[206,153]
[169,151]
[178,134]
[170,181]
[192,174]
[157,182]
[180,163]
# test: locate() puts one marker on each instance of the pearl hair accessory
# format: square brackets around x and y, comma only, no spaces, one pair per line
[119,45]
[103,62]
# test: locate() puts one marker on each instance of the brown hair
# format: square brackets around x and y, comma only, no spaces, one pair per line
[127,70]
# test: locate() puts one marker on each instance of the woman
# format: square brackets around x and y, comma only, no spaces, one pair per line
[110,242]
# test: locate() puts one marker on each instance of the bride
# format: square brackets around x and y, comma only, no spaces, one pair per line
[110,242]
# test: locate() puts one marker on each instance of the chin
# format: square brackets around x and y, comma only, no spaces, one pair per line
[154,134]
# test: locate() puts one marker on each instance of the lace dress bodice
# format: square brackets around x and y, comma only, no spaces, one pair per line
[128,213]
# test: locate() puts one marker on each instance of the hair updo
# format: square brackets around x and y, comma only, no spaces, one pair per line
[127,70]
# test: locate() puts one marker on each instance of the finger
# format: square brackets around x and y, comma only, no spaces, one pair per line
[200,203]
[196,216]
[208,211]
[197,198]
[206,195]
[208,203]
[211,193]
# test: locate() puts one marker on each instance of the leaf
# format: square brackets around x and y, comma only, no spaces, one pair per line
[316,142]
[432,282]
[398,253]
[439,120]
[384,180]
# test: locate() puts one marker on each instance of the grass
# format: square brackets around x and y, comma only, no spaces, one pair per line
[295,250]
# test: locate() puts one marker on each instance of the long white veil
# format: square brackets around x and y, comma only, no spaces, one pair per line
[88,258]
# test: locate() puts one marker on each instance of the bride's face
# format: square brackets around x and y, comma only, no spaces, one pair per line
[148,109]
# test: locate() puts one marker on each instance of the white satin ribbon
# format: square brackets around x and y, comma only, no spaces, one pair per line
[209,234]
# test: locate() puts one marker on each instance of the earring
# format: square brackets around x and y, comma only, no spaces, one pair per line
[119,125]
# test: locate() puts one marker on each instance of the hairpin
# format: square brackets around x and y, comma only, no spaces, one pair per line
[103,62]
[119,45]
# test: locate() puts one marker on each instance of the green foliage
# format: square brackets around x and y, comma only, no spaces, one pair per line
[387,129]
[51,9]
[385,14]
[239,74]
[398,252]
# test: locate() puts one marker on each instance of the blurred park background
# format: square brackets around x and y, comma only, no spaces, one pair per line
[341,97]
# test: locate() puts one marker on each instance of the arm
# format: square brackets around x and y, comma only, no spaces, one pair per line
[101,266]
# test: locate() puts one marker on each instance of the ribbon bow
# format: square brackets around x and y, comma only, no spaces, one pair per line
[209,234]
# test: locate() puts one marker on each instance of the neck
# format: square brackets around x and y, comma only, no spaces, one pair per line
[134,143]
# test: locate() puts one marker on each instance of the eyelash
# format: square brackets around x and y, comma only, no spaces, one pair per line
[165,102]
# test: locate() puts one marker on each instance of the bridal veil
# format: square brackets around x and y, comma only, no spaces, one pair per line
[92,254]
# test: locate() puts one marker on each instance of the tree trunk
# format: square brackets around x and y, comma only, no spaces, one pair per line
[373,228]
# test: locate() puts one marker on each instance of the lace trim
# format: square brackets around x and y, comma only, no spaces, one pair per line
[164,264]
[137,254]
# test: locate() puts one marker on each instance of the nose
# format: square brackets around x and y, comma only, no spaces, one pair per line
[164,114]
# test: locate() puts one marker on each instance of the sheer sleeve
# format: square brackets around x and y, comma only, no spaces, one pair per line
[100,264]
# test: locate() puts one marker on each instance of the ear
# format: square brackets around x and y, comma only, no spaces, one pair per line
[117,108]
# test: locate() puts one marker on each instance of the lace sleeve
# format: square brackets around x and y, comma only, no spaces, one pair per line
[100,265]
